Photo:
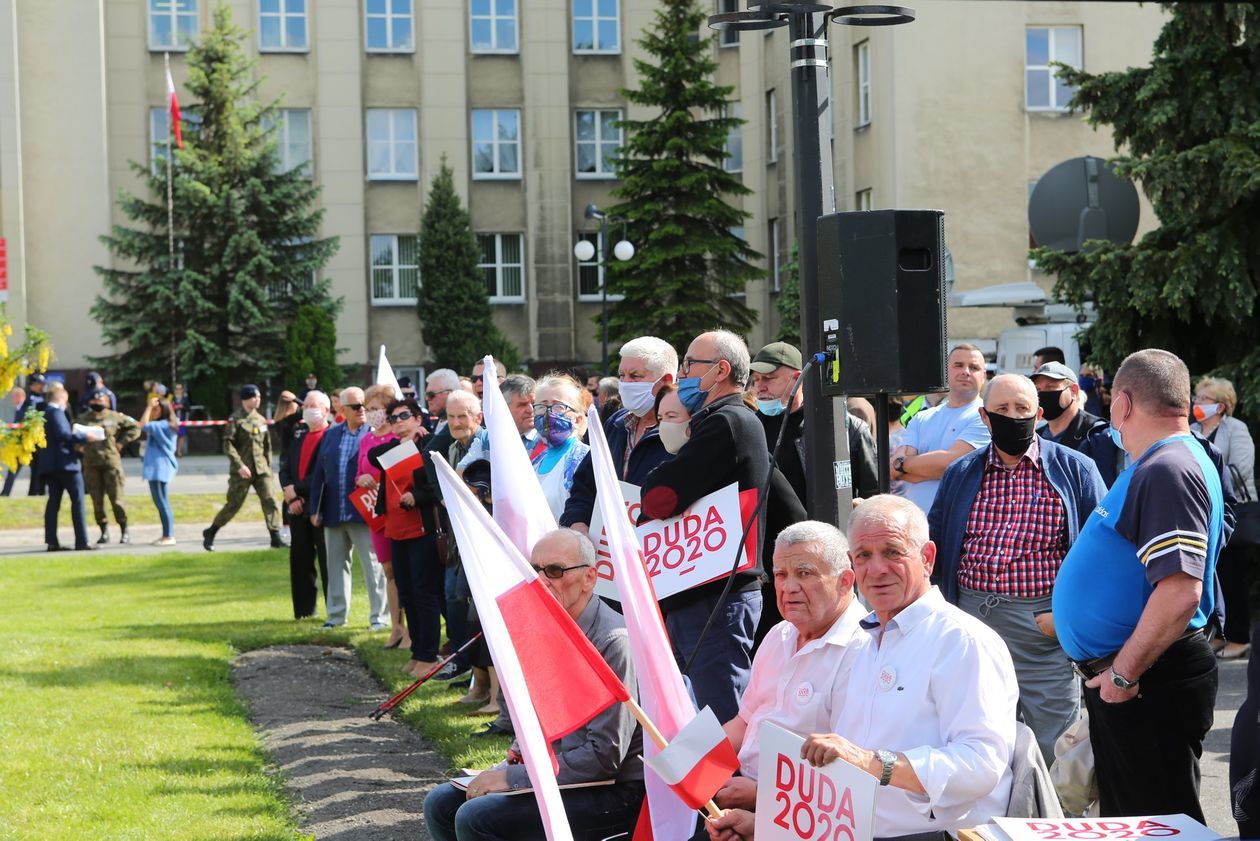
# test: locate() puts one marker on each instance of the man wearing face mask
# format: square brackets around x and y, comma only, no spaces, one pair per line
[102,462]
[647,364]
[1058,394]
[248,448]
[307,555]
[1003,520]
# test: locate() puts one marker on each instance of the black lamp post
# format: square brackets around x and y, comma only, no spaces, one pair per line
[585,252]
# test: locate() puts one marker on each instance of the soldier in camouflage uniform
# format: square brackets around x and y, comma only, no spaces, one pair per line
[102,462]
[248,447]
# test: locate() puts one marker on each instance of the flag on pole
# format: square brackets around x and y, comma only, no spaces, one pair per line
[698,761]
[555,680]
[385,375]
[401,461]
[662,693]
[174,105]
[520,508]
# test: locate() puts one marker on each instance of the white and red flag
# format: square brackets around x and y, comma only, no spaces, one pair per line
[385,375]
[174,106]
[698,760]
[555,680]
[401,461]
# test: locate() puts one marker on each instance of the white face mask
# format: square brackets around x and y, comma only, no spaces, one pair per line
[375,417]
[674,434]
[638,397]
[313,417]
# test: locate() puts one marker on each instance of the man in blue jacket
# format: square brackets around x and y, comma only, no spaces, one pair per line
[1003,521]
[58,465]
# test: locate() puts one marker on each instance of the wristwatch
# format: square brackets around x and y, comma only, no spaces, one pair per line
[889,759]
[900,464]
[1122,682]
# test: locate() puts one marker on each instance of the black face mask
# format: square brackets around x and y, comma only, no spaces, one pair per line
[1050,405]
[1012,436]
[96,407]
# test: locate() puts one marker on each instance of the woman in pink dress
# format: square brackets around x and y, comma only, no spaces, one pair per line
[375,400]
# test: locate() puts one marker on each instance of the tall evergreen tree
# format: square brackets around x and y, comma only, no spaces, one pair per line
[1189,129]
[688,263]
[247,246]
[453,300]
[311,347]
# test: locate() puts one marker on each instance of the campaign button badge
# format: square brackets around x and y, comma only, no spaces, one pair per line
[887,677]
[803,693]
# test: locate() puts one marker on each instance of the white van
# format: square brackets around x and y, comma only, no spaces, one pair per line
[1042,323]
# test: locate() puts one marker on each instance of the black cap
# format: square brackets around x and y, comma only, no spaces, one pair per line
[248,391]
[477,475]
[404,382]
[98,394]
[35,378]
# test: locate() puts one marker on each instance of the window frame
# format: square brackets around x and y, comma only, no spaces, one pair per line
[395,267]
[601,272]
[495,144]
[389,16]
[1078,31]
[733,110]
[281,125]
[494,30]
[727,7]
[367,146]
[862,77]
[174,14]
[864,199]
[773,227]
[499,265]
[284,14]
[599,174]
[772,127]
[594,18]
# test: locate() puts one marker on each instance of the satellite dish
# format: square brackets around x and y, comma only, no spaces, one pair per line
[1082,199]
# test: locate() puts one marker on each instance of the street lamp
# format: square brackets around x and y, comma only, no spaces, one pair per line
[585,251]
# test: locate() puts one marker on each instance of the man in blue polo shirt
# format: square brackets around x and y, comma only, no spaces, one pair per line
[1134,593]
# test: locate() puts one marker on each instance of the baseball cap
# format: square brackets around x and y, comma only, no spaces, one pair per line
[776,355]
[1056,371]
[98,394]
[35,378]
[248,391]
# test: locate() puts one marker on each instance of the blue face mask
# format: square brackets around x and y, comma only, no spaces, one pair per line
[770,408]
[690,395]
[1115,438]
[555,429]
[1087,383]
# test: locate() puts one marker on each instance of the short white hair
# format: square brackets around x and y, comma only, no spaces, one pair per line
[320,396]
[658,355]
[443,377]
[896,512]
[833,546]
[462,396]
[732,348]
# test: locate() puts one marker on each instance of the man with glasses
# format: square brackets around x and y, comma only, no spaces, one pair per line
[607,747]
[437,388]
[727,445]
[331,482]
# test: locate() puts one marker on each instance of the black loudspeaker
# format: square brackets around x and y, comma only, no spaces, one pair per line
[881,298]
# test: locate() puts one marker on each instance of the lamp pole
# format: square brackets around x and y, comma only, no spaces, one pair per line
[585,252]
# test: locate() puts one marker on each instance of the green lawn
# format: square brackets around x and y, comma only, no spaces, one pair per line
[117,716]
[27,512]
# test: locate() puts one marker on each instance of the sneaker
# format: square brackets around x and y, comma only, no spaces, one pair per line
[493,729]
[164,541]
[378,626]
[329,626]
[450,671]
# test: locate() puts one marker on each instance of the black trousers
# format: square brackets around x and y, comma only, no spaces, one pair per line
[1146,751]
[307,556]
[421,581]
[70,482]
[1231,568]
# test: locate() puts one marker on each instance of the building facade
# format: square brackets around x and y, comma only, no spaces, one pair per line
[957,111]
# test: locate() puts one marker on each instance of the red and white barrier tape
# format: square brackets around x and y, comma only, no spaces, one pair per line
[181,423]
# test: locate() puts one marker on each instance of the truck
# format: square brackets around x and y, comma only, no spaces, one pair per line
[1040,322]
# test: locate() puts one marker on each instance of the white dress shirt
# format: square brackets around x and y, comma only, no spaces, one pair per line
[794,689]
[938,686]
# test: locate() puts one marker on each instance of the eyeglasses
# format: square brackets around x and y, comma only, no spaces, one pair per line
[555,571]
[354,407]
[401,416]
[429,395]
[688,362]
[555,408]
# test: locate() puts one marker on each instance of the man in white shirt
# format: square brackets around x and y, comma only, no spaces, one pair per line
[939,436]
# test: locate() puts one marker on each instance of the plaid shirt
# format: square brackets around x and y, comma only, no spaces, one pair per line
[1016,535]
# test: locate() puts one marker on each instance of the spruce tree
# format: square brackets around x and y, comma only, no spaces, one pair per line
[1189,129]
[453,300]
[311,347]
[247,245]
[688,264]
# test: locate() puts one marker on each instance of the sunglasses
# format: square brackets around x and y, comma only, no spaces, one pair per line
[429,395]
[555,571]
[354,407]
[401,416]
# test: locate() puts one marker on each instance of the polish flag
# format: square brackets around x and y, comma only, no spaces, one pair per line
[401,461]
[520,508]
[170,91]
[662,693]
[385,375]
[555,680]
[698,761]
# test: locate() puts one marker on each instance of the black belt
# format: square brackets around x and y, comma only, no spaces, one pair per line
[1089,669]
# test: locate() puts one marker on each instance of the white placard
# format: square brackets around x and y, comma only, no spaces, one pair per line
[798,802]
[92,431]
[1180,827]
[682,552]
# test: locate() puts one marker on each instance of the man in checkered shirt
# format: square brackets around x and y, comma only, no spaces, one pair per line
[1003,520]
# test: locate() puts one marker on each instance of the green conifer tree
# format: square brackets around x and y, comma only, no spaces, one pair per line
[311,347]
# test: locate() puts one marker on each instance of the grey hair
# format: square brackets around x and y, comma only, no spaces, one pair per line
[658,355]
[460,395]
[444,377]
[609,387]
[517,385]
[896,512]
[586,549]
[832,545]
[728,346]
[319,395]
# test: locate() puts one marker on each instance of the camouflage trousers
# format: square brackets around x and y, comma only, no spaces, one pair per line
[102,481]
[238,489]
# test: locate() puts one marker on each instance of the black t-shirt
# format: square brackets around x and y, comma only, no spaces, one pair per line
[1076,431]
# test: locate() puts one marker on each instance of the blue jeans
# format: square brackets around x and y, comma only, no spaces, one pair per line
[420,576]
[162,502]
[456,615]
[594,813]
[720,672]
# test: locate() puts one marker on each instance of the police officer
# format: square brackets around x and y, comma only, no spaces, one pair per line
[248,448]
[102,461]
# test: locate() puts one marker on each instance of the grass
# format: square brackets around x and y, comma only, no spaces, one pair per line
[27,512]
[117,714]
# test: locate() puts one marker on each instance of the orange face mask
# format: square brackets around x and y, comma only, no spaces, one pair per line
[1202,413]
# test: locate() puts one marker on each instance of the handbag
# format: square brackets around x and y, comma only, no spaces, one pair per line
[1246,513]
[448,552]
[1073,770]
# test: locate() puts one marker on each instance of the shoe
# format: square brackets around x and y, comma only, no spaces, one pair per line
[387,646]
[1234,651]
[124,537]
[164,541]
[378,626]
[86,547]
[57,547]
[491,708]
[207,538]
[471,698]
[460,684]
[450,672]
[104,538]
[493,729]
[329,626]
[277,542]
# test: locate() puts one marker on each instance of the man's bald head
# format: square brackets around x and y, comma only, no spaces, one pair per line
[1010,391]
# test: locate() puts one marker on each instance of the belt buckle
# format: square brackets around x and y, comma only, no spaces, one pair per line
[1080,671]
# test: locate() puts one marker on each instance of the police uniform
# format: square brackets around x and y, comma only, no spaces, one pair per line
[247,443]
[102,463]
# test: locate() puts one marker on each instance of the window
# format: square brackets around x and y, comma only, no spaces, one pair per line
[734,161]
[1043,91]
[864,199]
[172,24]
[862,65]
[503,266]
[591,272]
[772,127]
[598,141]
[728,37]
[282,25]
[496,144]
[159,134]
[492,26]
[391,144]
[774,244]
[388,26]
[596,26]
[395,273]
[293,139]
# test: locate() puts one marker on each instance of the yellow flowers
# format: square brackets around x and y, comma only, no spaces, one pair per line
[18,445]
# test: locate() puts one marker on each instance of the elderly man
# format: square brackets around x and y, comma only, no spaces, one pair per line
[647,364]
[307,551]
[1002,522]
[1135,593]
[939,436]
[606,748]
[727,446]
[1059,396]
[479,369]
[438,386]
[463,418]
[248,448]
[331,482]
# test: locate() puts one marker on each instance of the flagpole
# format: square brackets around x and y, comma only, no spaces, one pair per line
[170,205]
[661,744]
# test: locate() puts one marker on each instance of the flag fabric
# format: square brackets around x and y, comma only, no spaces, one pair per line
[555,680]
[698,761]
[174,106]
[662,693]
[385,375]
[520,507]
[401,461]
